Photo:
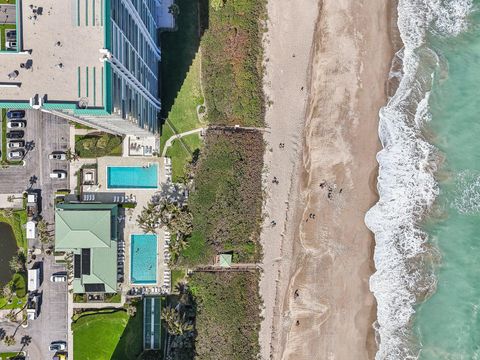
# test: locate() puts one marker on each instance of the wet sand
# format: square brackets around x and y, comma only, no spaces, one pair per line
[323,307]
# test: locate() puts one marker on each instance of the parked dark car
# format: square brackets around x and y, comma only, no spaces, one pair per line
[12,34]
[15,134]
[16,114]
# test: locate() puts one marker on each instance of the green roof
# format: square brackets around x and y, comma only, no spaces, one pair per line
[82,229]
[94,227]
[225,260]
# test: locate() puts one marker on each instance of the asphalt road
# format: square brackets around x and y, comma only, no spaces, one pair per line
[7,14]
[46,133]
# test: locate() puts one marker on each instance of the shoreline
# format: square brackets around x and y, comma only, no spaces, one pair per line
[335,248]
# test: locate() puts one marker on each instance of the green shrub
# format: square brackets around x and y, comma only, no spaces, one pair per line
[232,63]
[92,146]
[20,281]
[227,200]
[228,315]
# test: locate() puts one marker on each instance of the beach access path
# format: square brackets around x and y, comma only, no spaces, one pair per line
[323,306]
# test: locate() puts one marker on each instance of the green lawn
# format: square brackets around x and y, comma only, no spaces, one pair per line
[93,146]
[4,27]
[17,221]
[20,299]
[178,275]
[115,298]
[16,303]
[4,135]
[180,156]
[108,336]
[183,115]
[81,126]
[179,48]
[7,355]
[181,78]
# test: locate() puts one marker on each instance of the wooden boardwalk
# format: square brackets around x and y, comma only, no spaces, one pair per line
[233,268]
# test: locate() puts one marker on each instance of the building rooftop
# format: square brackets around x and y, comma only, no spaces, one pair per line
[90,232]
[60,46]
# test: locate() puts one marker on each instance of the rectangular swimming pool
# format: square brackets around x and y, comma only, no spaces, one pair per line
[143,259]
[132,177]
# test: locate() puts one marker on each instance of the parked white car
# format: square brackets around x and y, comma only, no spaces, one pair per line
[58,174]
[58,278]
[57,346]
[16,144]
[16,154]
[11,44]
[58,156]
[16,124]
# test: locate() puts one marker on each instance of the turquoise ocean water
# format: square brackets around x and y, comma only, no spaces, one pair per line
[427,220]
[448,323]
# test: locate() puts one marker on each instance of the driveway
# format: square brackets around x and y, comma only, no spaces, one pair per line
[46,133]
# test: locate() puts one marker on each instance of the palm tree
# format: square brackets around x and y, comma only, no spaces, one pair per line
[12,316]
[71,155]
[177,245]
[148,218]
[131,310]
[15,265]
[181,223]
[175,324]
[9,340]
[25,341]
[7,212]
[43,233]
[7,291]
[17,262]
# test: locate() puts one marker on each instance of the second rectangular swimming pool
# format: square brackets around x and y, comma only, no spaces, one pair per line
[143,259]
[132,177]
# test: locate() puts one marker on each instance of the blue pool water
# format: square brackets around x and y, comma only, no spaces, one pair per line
[132,177]
[143,259]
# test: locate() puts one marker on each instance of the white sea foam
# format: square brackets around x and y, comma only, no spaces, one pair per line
[406,183]
[467,199]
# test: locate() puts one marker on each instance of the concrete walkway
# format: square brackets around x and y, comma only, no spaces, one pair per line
[168,143]
[95,305]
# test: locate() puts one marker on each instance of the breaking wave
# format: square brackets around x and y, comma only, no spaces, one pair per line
[406,183]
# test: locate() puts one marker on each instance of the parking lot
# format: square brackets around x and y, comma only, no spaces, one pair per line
[51,324]
[45,133]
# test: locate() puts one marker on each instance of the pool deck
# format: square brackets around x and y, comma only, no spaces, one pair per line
[143,196]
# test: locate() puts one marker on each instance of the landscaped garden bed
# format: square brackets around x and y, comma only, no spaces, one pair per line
[93,145]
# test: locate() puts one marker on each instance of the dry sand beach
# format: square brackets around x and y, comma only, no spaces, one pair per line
[318,256]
